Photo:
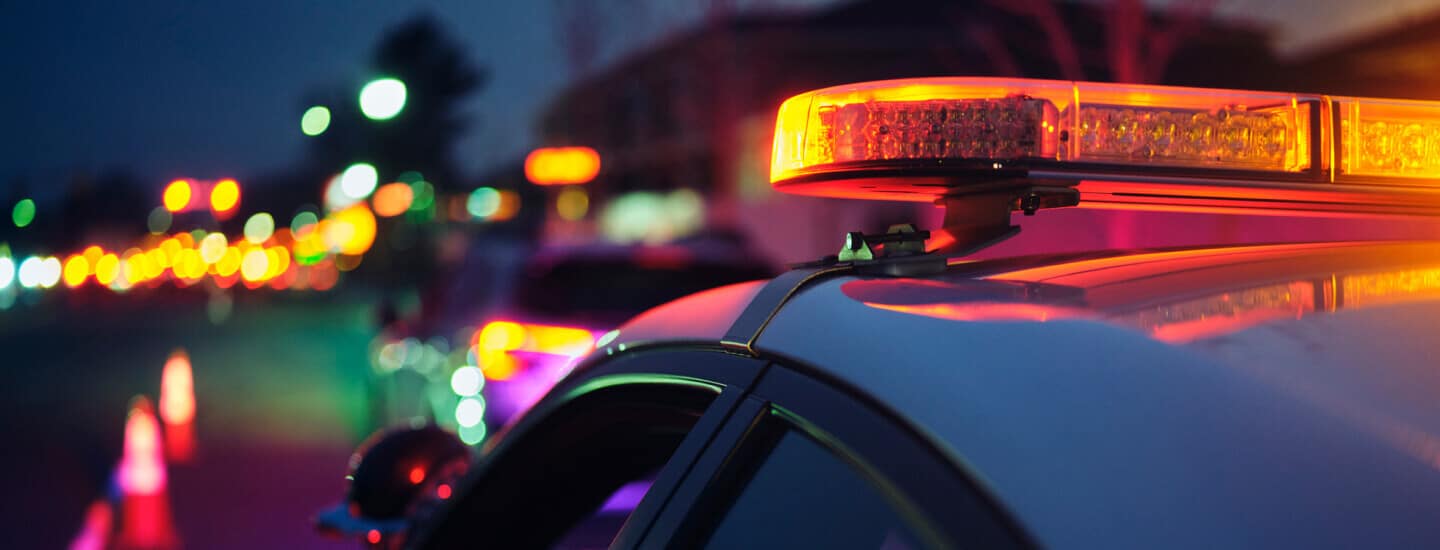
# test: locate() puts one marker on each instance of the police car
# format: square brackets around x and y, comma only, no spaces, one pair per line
[897,395]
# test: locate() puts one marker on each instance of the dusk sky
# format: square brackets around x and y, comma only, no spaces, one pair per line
[205,90]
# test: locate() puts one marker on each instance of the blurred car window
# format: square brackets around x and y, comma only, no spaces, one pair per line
[569,480]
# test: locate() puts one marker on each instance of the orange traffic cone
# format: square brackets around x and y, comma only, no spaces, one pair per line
[95,532]
[145,521]
[177,407]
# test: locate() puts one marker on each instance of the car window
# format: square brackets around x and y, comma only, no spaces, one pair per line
[568,479]
[799,494]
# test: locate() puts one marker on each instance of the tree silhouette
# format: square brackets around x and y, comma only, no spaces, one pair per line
[438,77]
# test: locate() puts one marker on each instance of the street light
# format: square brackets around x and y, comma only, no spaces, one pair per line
[382,99]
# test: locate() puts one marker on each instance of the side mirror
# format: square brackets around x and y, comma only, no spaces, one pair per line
[395,475]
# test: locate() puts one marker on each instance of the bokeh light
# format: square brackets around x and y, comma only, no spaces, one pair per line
[359,180]
[229,262]
[23,213]
[350,231]
[76,270]
[107,268]
[467,381]
[562,165]
[177,195]
[225,196]
[572,204]
[159,220]
[315,120]
[29,272]
[483,203]
[7,272]
[470,412]
[393,199]
[382,99]
[500,336]
[212,247]
[50,269]
[254,265]
[303,220]
[473,435]
[259,227]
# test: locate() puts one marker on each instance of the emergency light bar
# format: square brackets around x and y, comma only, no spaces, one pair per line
[1161,146]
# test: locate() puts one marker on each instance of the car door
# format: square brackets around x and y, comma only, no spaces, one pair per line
[598,456]
[807,462]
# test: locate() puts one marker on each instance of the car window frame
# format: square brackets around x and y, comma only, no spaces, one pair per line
[932,489]
[727,374]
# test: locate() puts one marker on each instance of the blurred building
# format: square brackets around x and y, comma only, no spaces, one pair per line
[697,111]
[1398,62]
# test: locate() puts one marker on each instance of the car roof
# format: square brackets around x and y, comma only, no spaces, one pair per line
[1236,396]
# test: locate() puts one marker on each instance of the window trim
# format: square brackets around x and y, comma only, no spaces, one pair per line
[947,504]
[726,374]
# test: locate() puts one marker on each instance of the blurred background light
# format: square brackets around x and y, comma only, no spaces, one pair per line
[106,269]
[473,435]
[225,196]
[470,412]
[212,247]
[382,99]
[483,203]
[254,265]
[29,272]
[7,272]
[50,269]
[351,231]
[23,213]
[423,195]
[393,199]
[177,195]
[467,381]
[562,165]
[259,227]
[301,221]
[315,120]
[572,204]
[159,220]
[76,270]
[359,180]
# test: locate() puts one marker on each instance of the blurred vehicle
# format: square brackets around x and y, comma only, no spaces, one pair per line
[514,321]
[898,395]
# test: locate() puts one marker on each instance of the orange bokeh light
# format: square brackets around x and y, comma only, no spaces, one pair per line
[393,199]
[562,165]
[177,195]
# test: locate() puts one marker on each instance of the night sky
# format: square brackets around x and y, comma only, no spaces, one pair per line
[170,88]
[211,89]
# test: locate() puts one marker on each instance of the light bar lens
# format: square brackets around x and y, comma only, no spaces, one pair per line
[1397,139]
[1001,119]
